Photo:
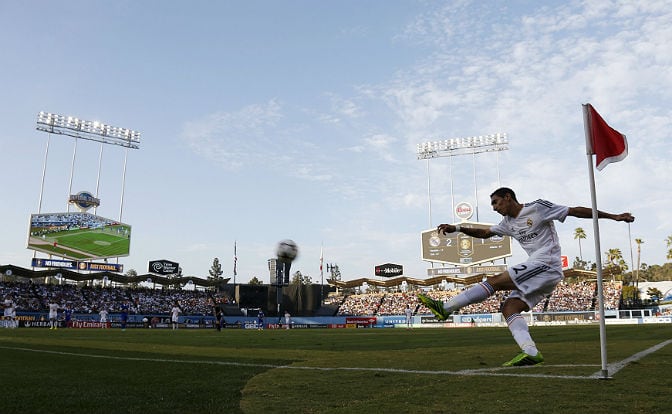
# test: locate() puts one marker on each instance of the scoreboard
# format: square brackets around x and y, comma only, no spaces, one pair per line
[459,249]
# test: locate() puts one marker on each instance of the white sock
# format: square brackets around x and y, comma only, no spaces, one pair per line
[521,334]
[474,294]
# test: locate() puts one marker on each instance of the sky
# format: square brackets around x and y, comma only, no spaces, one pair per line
[269,120]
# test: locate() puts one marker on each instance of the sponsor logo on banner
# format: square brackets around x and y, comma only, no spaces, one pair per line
[464,210]
[163,267]
[74,265]
[89,324]
[84,200]
[389,269]
[38,324]
[101,267]
[361,320]
[65,264]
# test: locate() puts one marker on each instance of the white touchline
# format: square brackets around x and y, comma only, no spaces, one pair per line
[486,372]
[617,366]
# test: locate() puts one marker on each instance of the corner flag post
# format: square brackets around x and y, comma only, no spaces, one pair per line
[609,146]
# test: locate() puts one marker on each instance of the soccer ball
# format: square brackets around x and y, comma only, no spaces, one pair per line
[287,250]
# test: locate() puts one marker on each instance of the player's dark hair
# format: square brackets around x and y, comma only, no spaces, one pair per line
[503,191]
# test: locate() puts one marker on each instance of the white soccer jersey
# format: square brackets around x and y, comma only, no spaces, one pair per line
[176,313]
[535,231]
[53,310]
[9,307]
[103,315]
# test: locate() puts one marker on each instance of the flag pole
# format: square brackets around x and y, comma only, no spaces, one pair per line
[321,274]
[235,261]
[596,230]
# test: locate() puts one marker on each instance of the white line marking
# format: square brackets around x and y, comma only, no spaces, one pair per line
[617,366]
[491,372]
[488,372]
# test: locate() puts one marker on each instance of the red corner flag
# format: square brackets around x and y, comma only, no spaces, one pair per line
[609,146]
[605,142]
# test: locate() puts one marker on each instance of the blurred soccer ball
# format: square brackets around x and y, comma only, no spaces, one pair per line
[287,250]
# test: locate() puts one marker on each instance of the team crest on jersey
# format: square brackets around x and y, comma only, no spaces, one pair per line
[529,222]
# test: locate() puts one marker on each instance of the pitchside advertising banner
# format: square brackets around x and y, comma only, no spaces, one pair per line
[74,265]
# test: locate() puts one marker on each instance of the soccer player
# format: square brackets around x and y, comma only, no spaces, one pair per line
[123,316]
[175,315]
[53,314]
[409,316]
[10,313]
[288,320]
[67,316]
[260,320]
[531,224]
[103,317]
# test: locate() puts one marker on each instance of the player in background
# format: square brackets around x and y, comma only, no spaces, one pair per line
[53,314]
[409,316]
[260,320]
[103,318]
[67,316]
[175,315]
[219,316]
[9,314]
[532,225]
[288,320]
[124,315]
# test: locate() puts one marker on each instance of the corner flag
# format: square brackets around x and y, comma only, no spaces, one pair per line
[605,142]
[609,146]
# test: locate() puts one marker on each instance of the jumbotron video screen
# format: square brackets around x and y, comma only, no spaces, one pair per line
[80,236]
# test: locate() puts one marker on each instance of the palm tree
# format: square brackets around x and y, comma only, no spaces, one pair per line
[614,259]
[669,247]
[579,234]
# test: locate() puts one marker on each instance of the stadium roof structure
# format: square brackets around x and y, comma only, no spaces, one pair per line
[468,280]
[11,270]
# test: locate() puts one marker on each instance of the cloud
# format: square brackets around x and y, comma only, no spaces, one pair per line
[232,139]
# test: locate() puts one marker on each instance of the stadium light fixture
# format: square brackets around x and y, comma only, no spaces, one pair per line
[461,146]
[89,130]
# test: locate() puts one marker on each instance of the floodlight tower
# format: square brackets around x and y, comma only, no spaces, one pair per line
[461,146]
[88,130]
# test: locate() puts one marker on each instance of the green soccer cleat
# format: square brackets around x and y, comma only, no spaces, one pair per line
[436,306]
[524,359]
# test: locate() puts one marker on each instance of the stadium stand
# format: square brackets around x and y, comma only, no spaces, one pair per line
[580,296]
[34,297]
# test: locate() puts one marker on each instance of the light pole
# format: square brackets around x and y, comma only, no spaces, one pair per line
[461,146]
[88,130]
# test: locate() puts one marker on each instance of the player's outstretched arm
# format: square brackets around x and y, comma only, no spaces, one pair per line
[585,212]
[469,231]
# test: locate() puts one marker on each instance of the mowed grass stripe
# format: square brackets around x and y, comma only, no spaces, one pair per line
[484,372]
[331,371]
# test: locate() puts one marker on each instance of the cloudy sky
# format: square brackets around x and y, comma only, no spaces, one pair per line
[266,120]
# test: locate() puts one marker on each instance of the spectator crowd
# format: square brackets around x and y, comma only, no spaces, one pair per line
[33,297]
[579,296]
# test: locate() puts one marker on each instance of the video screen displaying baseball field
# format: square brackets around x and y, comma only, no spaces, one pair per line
[80,236]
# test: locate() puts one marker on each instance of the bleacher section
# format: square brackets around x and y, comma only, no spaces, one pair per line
[32,297]
[581,296]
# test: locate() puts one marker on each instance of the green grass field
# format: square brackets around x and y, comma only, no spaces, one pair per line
[331,371]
